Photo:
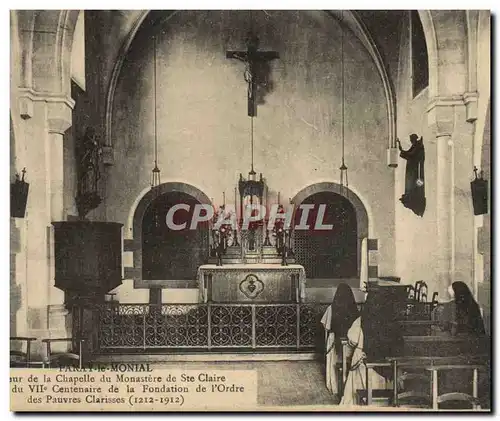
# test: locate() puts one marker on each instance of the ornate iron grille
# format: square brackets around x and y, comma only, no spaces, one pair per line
[310,316]
[231,325]
[207,326]
[276,326]
[212,327]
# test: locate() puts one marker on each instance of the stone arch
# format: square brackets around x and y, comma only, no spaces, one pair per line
[362,214]
[355,24]
[472,27]
[360,208]
[134,243]
[352,22]
[46,37]
[110,95]
[432,50]
[446,37]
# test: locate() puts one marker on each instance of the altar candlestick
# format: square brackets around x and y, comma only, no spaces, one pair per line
[278,198]
[223,198]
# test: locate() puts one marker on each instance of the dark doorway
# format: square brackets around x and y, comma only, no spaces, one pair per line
[329,254]
[170,254]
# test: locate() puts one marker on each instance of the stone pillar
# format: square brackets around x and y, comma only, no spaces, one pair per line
[59,120]
[155,296]
[454,215]
[463,211]
[45,119]
[373,259]
[441,115]
[444,218]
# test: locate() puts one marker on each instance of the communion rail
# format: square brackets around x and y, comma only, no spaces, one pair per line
[207,327]
[213,326]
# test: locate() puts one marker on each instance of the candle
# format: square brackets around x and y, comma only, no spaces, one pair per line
[223,198]
[278,198]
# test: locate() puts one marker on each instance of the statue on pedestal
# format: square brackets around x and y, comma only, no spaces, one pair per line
[414,195]
[89,153]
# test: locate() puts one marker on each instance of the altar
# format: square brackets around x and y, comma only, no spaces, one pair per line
[251,283]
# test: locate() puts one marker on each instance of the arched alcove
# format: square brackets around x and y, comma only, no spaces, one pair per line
[172,254]
[338,251]
[329,253]
[161,198]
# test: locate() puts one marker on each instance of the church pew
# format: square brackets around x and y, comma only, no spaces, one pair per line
[20,358]
[433,365]
[445,346]
[435,346]
[418,327]
[72,357]
[418,366]
[420,348]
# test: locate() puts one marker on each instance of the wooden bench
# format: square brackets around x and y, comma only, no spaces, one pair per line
[424,350]
[445,346]
[426,346]
[75,357]
[434,365]
[20,358]
[418,327]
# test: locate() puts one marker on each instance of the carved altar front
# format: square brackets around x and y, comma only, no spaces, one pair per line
[251,283]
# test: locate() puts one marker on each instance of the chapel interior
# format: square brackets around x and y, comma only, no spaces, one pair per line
[118,116]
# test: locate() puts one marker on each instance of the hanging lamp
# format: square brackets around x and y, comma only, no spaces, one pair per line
[344,181]
[155,173]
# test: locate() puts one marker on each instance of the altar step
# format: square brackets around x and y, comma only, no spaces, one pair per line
[161,356]
[227,260]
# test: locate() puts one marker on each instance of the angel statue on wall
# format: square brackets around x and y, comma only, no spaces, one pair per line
[414,195]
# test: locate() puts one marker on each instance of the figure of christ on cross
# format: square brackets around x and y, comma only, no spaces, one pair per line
[257,69]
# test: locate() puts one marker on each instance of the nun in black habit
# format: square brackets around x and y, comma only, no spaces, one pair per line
[373,337]
[337,320]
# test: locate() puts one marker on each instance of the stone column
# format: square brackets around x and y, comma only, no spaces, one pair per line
[454,216]
[441,119]
[45,119]
[59,120]
[444,217]
[463,211]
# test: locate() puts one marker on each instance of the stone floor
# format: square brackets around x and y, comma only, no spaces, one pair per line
[280,383]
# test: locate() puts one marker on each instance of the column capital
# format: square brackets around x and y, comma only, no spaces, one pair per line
[59,108]
[470,101]
[441,111]
[441,114]
[59,117]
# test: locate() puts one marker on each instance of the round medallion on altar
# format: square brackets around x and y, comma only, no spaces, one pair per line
[251,286]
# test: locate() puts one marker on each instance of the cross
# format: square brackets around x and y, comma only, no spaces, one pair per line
[253,58]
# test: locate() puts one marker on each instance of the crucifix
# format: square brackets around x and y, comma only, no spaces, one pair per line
[257,68]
